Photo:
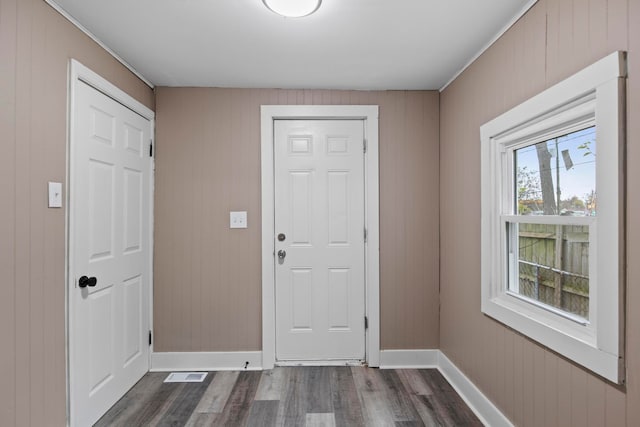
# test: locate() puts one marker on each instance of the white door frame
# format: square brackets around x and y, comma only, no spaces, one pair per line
[368,113]
[78,72]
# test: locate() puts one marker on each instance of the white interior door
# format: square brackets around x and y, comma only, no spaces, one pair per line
[319,240]
[109,253]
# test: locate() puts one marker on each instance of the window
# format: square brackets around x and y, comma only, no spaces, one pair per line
[549,261]
[553,217]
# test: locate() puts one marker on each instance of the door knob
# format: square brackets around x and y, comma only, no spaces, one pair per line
[282,254]
[85,281]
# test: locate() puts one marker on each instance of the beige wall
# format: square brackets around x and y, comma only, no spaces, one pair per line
[532,385]
[35,46]
[207,277]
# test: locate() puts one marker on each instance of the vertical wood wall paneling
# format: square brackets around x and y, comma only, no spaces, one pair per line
[38,233]
[555,39]
[389,200]
[35,46]
[595,389]
[618,24]
[195,285]
[633,225]
[565,61]
[22,213]
[578,395]
[597,28]
[207,277]
[53,121]
[8,47]
[516,411]
[563,385]
[539,385]
[581,39]
[447,317]
[551,397]
[508,373]
[528,383]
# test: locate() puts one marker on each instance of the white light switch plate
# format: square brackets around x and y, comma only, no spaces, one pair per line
[55,194]
[238,219]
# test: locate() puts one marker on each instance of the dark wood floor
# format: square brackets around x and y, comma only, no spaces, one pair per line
[300,396]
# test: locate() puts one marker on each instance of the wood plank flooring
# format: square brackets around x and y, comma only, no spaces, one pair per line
[296,396]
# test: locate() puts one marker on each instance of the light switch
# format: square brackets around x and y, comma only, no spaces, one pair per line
[55,194]
[238,219]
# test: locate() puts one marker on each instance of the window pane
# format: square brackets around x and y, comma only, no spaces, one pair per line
[561,169]
[551,265]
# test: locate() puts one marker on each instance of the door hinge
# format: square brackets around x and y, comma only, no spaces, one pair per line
[364,145]
[151,148]
[150,338]
[365,235]
[366,322]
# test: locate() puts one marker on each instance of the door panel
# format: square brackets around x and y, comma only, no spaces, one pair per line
[132,305]
[101,337]
[338,207]
[101,177]
[133,194]
[319,207]
[301,206]
[301,299]
[109,229]
[338,287]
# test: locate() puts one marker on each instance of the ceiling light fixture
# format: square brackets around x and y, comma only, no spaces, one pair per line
[293,8]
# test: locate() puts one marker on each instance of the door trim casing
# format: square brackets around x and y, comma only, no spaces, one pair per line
[369,114]
[79,72]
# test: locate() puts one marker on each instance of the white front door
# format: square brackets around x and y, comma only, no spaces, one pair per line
[109,252]
[319,240]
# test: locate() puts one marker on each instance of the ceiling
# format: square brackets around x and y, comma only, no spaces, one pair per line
[346,44]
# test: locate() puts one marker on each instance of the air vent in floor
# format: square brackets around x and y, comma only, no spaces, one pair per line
[186,377]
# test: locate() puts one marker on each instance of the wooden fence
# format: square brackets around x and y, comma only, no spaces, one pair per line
[554,266]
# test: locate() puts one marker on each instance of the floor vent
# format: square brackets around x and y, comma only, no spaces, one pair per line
[186,377]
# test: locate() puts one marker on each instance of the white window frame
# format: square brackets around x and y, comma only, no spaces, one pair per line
[593,96]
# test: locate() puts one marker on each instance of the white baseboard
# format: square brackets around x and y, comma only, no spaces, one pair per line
[484,409]
[206,361]
[408,359]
